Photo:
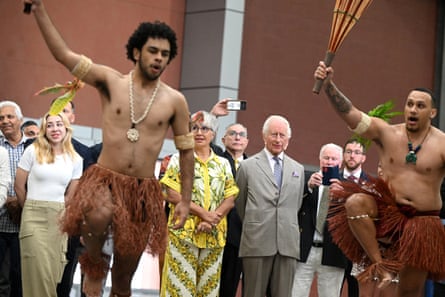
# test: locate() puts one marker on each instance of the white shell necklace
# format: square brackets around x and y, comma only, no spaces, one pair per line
[133,133]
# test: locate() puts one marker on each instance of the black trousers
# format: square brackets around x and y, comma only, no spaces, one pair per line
[10,272]
[72,255]
[230,271]
[439,290]
[353,290]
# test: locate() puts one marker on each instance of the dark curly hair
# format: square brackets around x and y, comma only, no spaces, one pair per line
[154,30]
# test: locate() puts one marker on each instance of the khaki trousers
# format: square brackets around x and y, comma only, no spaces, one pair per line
[42,248]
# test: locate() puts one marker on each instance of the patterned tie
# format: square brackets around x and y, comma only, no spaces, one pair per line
[322,209]
[352,178]
[277,171]
[236,164]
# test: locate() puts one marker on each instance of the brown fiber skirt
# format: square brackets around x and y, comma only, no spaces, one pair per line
[139,221]
[417,239]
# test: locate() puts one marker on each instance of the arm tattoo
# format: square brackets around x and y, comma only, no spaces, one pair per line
[338,100]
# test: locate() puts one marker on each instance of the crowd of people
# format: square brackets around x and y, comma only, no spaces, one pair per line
[220,220]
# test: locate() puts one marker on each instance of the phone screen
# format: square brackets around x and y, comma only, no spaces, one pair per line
[236,105]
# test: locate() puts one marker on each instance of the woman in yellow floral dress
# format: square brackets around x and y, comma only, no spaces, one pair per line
[194,253]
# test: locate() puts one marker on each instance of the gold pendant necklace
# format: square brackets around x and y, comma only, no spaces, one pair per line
[133,133]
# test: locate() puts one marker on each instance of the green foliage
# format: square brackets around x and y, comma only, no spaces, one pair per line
[70,88]
[383,111]
[60,102]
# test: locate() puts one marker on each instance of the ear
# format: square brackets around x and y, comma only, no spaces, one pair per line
[136,54]
[433,113]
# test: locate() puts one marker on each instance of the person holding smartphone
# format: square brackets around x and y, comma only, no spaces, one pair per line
[318,254]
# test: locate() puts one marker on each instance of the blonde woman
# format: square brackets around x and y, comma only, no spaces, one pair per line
[47,175]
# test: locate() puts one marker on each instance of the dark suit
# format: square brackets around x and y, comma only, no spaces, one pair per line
[307,217]
[72,254]
[333,261]
[231,264]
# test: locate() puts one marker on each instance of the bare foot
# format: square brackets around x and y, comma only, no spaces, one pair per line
[92,287]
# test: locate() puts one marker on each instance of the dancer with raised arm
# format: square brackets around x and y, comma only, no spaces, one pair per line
[120,194]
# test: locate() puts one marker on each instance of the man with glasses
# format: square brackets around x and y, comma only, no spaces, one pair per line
[235,141]
[271,188]
[354,156]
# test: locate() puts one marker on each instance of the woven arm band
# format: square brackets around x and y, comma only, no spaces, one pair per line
[363,125]
[184,142]
[82,67]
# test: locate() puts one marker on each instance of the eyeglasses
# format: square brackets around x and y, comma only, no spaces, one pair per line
[277,135]
[356,152]
[233,133]
[203,129]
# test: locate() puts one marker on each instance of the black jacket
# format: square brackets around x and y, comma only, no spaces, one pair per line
[307,217]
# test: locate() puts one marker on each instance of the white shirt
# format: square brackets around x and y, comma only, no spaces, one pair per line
[48,182]
[356,174]
[317,236]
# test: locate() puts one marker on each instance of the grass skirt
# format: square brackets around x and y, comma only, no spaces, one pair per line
[138,222]
[417,239]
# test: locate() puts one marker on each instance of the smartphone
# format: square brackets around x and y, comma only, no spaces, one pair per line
[328,173]
[236,105]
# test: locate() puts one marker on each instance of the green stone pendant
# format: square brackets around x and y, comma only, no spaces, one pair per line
[411,158]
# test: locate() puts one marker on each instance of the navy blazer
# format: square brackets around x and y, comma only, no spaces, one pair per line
[84,152]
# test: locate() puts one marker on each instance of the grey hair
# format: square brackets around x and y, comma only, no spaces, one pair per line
[18,111]
[338,148]
[233,124]
[279,118]
[209,120]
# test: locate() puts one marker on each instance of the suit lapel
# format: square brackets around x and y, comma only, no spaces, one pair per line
[264,165]
[287,171]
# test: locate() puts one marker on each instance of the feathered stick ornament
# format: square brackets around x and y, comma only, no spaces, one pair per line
[346,15]
[70,88]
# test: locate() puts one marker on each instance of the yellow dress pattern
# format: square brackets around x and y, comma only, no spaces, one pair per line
[192,264]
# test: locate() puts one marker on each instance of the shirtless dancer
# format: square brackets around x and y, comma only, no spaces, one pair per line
[120,192]
[414,174]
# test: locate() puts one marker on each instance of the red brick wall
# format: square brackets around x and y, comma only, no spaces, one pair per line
[389,51]
[99,29]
